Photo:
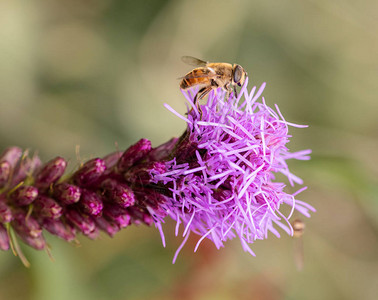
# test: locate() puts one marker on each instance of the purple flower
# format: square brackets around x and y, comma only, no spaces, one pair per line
[217,180]
[222,171]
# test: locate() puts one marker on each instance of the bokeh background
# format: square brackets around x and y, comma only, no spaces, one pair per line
[96,73]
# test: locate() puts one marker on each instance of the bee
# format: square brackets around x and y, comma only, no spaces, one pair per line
[298,231]
[208,76]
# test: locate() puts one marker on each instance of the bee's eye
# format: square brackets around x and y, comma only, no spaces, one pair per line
[238,74]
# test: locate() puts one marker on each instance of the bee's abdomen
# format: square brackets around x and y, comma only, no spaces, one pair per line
[184,84]
[195,77]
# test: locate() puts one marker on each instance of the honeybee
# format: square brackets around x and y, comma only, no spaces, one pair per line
[298,231]
[208,76]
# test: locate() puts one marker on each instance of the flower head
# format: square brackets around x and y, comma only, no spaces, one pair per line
[222,171]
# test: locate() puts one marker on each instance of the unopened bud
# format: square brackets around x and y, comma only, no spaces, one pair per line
[90,172]
[112,210]
[67,193]
[134,154]
[119,193]
[37,243]
[142,174]
[50,173]
[111,228]
[26,225]
[93,234]
[24,195]
[12,155]
[91,203]
[60,229]
[112,159]
[122,221]
[82,222]
[26,167]
[164,150]
[46,207]
[139,216]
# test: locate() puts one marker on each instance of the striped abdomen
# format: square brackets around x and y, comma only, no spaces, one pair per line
[199,76]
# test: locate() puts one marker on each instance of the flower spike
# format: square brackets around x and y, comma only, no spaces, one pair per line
[217,180]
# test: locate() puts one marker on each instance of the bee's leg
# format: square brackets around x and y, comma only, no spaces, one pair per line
[202,93]
[228,90]
[197,97]
[235,93]
[227,95]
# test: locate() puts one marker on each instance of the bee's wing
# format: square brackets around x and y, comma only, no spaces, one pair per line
[200,73]
[198,76]
[190,60]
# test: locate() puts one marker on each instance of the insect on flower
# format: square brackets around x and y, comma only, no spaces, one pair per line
[216,181]
[208,76]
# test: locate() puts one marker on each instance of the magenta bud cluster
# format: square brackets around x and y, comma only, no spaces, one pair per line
[102,195]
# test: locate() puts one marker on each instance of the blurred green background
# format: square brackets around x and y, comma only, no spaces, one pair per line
[95,73]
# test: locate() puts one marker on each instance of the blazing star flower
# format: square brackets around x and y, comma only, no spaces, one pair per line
[221,174]
[217,180]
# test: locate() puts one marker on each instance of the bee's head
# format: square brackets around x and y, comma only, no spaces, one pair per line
[238,75]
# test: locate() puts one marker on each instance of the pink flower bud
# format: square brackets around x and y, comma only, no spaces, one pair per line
[60,229]
[82,222]
[141,174]
[46,207]
[112,159]
[25,168]
[90,172]
[12,155]
[122,221]
[91,203]
[134,154]
[118,193]
[26,226]
[50,173]
[110,227]
[24,195]
[67,193]
[37,243]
